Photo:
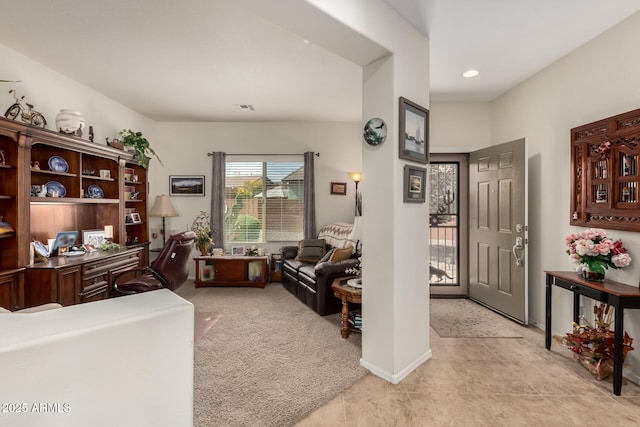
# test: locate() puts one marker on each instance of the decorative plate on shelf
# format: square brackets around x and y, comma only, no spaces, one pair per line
[55,189]
[95,192]
[58,164]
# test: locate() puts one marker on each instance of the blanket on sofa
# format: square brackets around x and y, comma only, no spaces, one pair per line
[337,235]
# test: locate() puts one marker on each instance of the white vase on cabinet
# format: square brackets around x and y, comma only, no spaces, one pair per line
[70,122]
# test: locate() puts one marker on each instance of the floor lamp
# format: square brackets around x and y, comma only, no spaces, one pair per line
[163,207]
[357,177]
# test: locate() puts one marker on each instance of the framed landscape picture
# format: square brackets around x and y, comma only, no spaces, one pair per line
[186,185]
[415,179]
[414,132]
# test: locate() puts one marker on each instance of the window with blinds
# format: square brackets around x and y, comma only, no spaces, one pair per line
[264,201]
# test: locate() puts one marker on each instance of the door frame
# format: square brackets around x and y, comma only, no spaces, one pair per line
[463,225]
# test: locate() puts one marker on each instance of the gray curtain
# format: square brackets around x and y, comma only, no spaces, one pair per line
[309,197]
[217,198]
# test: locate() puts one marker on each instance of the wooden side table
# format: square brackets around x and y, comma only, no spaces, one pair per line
[347,294]
[618,295]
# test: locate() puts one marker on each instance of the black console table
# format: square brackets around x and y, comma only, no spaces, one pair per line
[618,295]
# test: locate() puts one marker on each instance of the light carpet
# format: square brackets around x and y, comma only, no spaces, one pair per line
[463,318]
[269,360]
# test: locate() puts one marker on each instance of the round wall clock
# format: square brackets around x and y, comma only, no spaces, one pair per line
[375,131]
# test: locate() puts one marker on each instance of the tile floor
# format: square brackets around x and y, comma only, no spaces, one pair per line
[486,382]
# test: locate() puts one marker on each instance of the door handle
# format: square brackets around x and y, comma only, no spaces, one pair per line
[518,247]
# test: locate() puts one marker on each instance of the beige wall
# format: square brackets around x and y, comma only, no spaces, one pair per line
[459,127]
[183,149]
[50,91]
[598,80]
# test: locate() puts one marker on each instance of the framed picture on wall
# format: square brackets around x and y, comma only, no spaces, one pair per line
[414,132]
[415,179]
[186,185]
[339,188]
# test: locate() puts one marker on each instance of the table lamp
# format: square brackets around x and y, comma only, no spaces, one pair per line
[163,207]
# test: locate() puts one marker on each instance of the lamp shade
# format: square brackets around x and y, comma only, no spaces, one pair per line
[163,207]
[355,176]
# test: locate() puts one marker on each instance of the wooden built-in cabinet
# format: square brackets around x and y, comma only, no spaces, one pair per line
[11,289]
[604,173]
[26,151]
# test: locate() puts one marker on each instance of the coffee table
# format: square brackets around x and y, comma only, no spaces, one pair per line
[348,295]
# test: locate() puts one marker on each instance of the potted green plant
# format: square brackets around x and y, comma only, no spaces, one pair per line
[140,144]
[204,234]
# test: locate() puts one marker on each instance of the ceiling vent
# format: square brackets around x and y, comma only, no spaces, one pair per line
[245,107]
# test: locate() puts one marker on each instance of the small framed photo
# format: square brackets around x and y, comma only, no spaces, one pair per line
[414,184]
[237,250]
[414,132]
[133,218]
[339,188]
[93,237]
[186,185]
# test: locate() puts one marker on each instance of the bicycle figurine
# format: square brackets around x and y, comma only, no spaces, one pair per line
[26,112]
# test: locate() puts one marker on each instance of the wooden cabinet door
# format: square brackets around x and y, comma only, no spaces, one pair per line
[230,270]
[69,285]
[7,286]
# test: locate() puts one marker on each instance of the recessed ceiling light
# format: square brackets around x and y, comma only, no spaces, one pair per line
[470,73]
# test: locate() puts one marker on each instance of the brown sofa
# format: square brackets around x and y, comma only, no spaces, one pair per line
[311,281]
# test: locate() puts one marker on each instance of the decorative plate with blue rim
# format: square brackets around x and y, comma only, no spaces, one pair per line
[95,192]
[58,164]
[55,189]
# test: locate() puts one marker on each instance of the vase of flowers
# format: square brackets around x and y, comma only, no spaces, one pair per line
[595,252]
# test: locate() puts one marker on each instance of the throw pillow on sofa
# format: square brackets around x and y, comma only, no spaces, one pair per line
[327,256]
[311,250]
[341,254]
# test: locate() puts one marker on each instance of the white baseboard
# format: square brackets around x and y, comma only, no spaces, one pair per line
[396,378]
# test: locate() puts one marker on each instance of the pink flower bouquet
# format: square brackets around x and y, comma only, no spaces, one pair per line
[593,249]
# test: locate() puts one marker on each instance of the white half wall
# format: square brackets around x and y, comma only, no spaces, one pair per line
[120,362]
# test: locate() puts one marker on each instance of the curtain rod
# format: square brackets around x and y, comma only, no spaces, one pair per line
[271,154]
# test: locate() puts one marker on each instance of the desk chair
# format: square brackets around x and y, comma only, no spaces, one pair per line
[169,270]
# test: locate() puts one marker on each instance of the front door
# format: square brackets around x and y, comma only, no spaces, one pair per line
[498,228]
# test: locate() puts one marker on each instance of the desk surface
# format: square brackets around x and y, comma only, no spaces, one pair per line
[65,261]
[608,286]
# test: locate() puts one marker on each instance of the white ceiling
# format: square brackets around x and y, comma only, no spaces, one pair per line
[197,60]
